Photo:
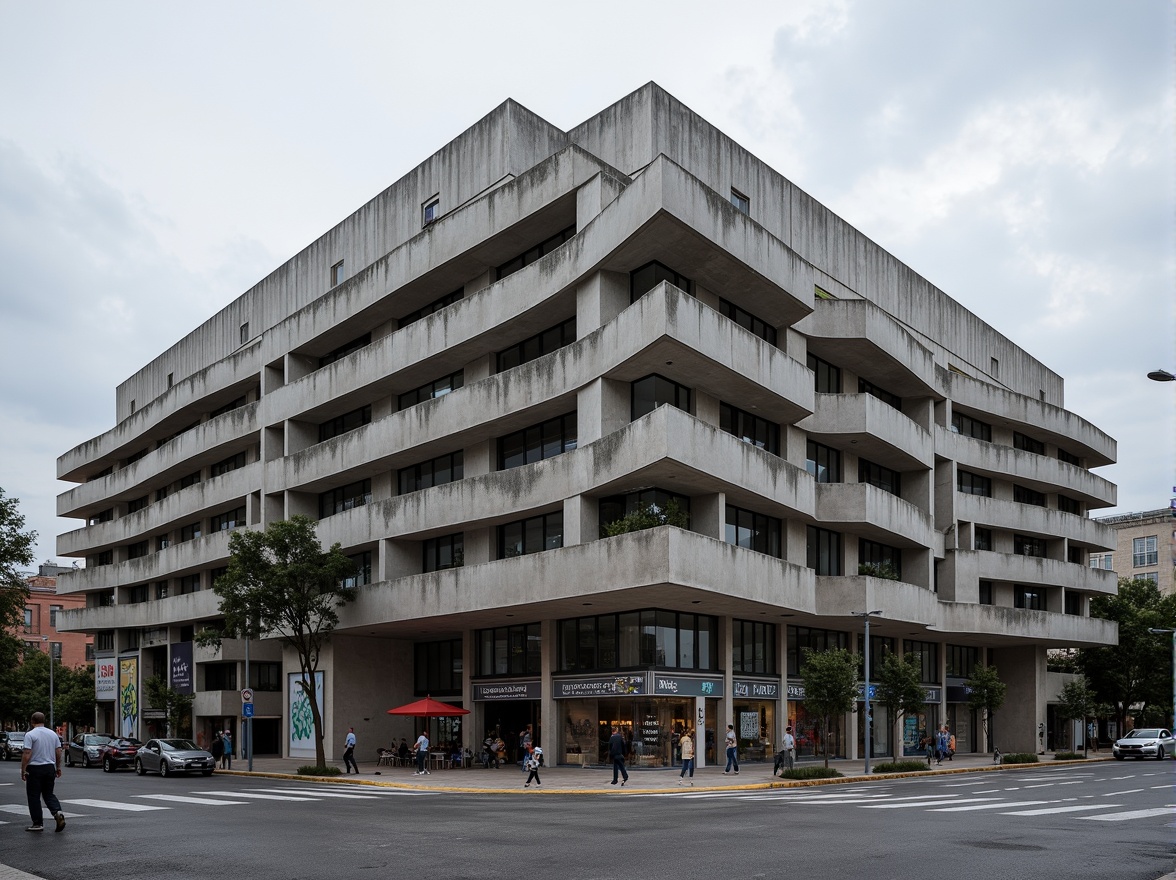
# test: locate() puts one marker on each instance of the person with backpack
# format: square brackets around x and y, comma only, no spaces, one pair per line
[686,744]
[532,763]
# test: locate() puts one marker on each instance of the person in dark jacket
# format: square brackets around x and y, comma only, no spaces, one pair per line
[616,751]
[217,748]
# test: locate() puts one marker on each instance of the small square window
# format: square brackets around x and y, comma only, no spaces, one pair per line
[244,332]
[133,407]
[741,202]
[431,211]
[337,274]
[994,368]
[171,379]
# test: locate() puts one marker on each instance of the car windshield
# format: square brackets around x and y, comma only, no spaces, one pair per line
[1143,733]
[96,739]
[125,743]
[15,737]
[177,745]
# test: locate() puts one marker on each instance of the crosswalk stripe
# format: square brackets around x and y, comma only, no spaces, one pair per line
[112,805]
[321,794]
[923,803]
[19,809]
[1114,793]
[1134,814]
[1048,810]
[999,805]
[182,799]
[260,797]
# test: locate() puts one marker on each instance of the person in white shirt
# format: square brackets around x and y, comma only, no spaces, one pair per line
[349,751]
[732,751]
[40,768]
[422,754]
[786,757]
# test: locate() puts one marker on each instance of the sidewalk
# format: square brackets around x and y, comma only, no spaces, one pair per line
[596,779]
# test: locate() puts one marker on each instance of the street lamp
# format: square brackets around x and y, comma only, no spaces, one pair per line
[865,616]
[49,647]
[1161,376]
[1158,631]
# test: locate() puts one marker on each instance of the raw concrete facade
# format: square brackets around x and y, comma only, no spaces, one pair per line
[527,299]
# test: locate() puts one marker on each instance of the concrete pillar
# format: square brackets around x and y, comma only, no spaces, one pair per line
[727,704]
[600,298]
[1015,724]
[548,733]
[708,514]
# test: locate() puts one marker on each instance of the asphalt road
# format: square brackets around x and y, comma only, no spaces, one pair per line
[1106,820]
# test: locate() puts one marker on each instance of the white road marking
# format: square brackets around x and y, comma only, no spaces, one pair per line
[19,809]
[181,799]
[987,791]
[260,797]
[1041,785]
[322,794]
[1049,810]
[112,805]
[999,805]
[922,803]
[1134,814]
[1128,791]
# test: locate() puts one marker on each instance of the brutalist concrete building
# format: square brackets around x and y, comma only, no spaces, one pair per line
[532,340]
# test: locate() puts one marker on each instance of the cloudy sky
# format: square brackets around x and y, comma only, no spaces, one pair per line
[156,160]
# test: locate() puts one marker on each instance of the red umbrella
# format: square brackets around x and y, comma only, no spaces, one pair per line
[428,708]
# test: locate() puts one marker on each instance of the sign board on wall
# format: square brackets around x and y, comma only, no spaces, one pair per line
[749,725]
[677,686]
[756,690]
[613,686]
[105,678]
[128,696]
[181,668]
[508,690]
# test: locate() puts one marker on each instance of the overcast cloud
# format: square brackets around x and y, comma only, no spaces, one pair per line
[158,160]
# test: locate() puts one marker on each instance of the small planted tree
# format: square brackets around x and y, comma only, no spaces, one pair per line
[648,516]
[281,584]
[177,707]
[986,693]
[830,686]
[1077,701]
[900,691]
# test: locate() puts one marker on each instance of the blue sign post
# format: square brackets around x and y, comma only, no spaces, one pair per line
[246,710]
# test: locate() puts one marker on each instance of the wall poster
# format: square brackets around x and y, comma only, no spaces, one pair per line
[299,718]
[128,696]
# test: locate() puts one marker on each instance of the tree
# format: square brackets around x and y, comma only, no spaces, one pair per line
[16,552]
[830,686]
[1077,701]
[1135,673]
[648,516]
[986,693]
[177,707]
[281,584]
[900,690]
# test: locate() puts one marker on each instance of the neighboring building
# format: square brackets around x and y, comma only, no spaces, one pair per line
[41,619]
[1145,547]
[534,333]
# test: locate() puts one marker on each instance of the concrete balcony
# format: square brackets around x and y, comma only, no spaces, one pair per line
[1038,571]
[173,611]
[178,559]
[1029,519]
[877,431]
[996,625]
[870,512]
[908,603]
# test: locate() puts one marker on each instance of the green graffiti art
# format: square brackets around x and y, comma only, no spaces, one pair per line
[301,718]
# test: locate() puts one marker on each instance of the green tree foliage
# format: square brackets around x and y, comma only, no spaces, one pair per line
[648,516]
[16,553]
[1137,671]
[281,584]
[899,689]
[27,692]
[986,692]
[1077,701]
[176,707]
[830,686]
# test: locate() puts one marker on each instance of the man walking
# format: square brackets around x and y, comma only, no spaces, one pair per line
[349,751]
[786,757]
[227,757]
[686,744]
[616,751]
[422,754]
[40,768]
[732,751]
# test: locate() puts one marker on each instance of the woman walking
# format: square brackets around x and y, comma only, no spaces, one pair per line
[533,762]
[687,746]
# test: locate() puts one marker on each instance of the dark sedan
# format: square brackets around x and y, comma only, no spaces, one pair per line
[168,756]
[118,753]
[85,749]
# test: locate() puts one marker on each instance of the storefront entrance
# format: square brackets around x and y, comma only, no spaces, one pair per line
[508,719]
[807,730]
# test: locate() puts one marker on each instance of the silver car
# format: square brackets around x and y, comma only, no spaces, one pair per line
[13,744]
[168,756]
[1145,742]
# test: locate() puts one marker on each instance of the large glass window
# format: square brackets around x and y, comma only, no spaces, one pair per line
[363,570]
[879,560]
[1032,598]
[343,350]
[754,531]
[229,464]
[982,539]
[927,656]
[985,592]
[435,472]
[634,639]
[824,551]
[532,535]
[532,254]
[435,306]
[344,423]
[1029,444]
[430,390]
[509,650]
[750,428]
[447,551]
[232,519]
[344,498]
[962,660]
[654,391]
[802,639]
[753,647]
[887,397]
[823,462]
[437,668]
[551,339]
[615,507]
[748,321]
[1068,457]
[649,276]
[538,442]
[1144,551]
[1024,545]
[882,477]
[1025,495]
[973,484]
[826,377]
[970,427]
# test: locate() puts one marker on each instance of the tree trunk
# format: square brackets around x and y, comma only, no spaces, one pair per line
[825,741]
[320,758]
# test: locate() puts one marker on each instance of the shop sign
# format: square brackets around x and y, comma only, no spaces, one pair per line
[613,686]
[105,678]
[958,694]
[669,685]
[763,690]
[931,695]
[795,691]
[873,691]
[181,668]
[508,690]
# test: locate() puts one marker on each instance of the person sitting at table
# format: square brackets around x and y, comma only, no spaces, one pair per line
[403,752]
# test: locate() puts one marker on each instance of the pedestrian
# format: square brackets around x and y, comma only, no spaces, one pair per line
[524,746]
[227,757]
[532,763]
[786,757]
[422,754]
[940,744]
[686,744]
[1092,735]
[732,751]
[928,744]
[40,768]
[217,748]
[616,751]
[951,744]
[349,752]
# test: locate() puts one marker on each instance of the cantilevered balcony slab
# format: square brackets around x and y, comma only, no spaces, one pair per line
[178,559]
[963,623]
[1038,571]
[174,610]
[870,512]
[898,601]
[1029,519]
[872,429]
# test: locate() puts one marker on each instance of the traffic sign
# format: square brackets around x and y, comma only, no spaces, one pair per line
[246,710]
[247,695]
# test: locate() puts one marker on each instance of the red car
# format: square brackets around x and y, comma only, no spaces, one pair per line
[119,752]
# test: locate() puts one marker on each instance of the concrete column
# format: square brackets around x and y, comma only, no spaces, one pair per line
[600,298]
[400,558]
[478,459]
[471,734]
[479,545]
[727,704]
[548,733]
[1023,669]
[782,664]
[708,513]
[479,368]
[581,520]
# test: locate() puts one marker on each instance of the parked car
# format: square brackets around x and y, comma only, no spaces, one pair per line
[84,749]
[1145,742]
[168,756]
[13,744]
[118,753]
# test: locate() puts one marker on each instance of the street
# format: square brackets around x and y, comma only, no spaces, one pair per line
[1106,819]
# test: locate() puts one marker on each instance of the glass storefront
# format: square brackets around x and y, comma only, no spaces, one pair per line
[807,730]
[651,727]
[755,725]
[962,722]
[880,731]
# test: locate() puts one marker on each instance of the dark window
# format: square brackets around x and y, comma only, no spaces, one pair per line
[880,560]
[971,427]
[102,516]
[653,391]
[823,462]
[244,337]
[754,531]
[982,539]
[131,459]
[824,551]
[448,551]
[137,550]
[160,494]
[438,667]
[962,660]
[161,589]
[538,442]
[137,594]
[926,656]
[435,472]
[190,532]
[345,498]
[753,647]
[532,254]
[750,428]
[220,676]
[973,484]
[189,584]
[344,423]
[551,339]
[741,202]
[236,403]
[363,570]
[162,542]
[802,639]
[877,475]
[1026,546]
[231,519]
[1067,504]
[1031,598]
[866,387]
[430,211]
[104,641]
[229,464]
[1025,495]
[435,306]
[53,611]
[265,676]
[337,274]
[634,639]
[105,557]
[137,504]
[826,377]
[1021,441]
[880,647]
[343,350]
[431,390]
[190,480]
[1068,458]
[615,507]
[985,592]
[748,321]
[532,535]
[1073,603]
[509,650]
[649,276]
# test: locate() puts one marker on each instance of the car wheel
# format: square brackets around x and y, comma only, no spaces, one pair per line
[107,765]
[85,760]
[164,769]
[1160,753]
[139,767]
[205,772]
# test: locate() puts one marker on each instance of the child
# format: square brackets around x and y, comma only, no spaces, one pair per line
[533,762]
